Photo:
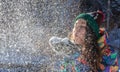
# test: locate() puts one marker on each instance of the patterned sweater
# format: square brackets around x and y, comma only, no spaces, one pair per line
[109,55]
[73,61]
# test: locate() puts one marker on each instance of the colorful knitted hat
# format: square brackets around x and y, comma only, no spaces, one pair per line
[91,23]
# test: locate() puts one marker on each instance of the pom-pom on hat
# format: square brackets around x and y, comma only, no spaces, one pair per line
[98,16]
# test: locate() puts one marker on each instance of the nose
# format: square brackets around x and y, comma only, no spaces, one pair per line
[75,34]
[78,34]
[82,32]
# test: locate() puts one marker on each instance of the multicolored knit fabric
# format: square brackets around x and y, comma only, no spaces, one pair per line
[74,64]
[73,61]
[110,56]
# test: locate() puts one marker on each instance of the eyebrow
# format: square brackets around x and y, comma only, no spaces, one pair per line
[82,25]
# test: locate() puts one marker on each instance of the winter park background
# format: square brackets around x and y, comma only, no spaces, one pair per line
[27,25]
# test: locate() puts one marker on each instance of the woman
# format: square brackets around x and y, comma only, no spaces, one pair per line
[80,50]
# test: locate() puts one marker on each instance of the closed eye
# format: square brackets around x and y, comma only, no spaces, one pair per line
[83,27]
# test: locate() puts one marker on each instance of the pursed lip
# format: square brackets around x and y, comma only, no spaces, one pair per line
[81,40]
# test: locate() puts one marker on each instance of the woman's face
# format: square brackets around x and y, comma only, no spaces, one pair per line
[79,31]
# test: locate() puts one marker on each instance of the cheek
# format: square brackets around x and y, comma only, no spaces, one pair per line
[82,32]
[79,33]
